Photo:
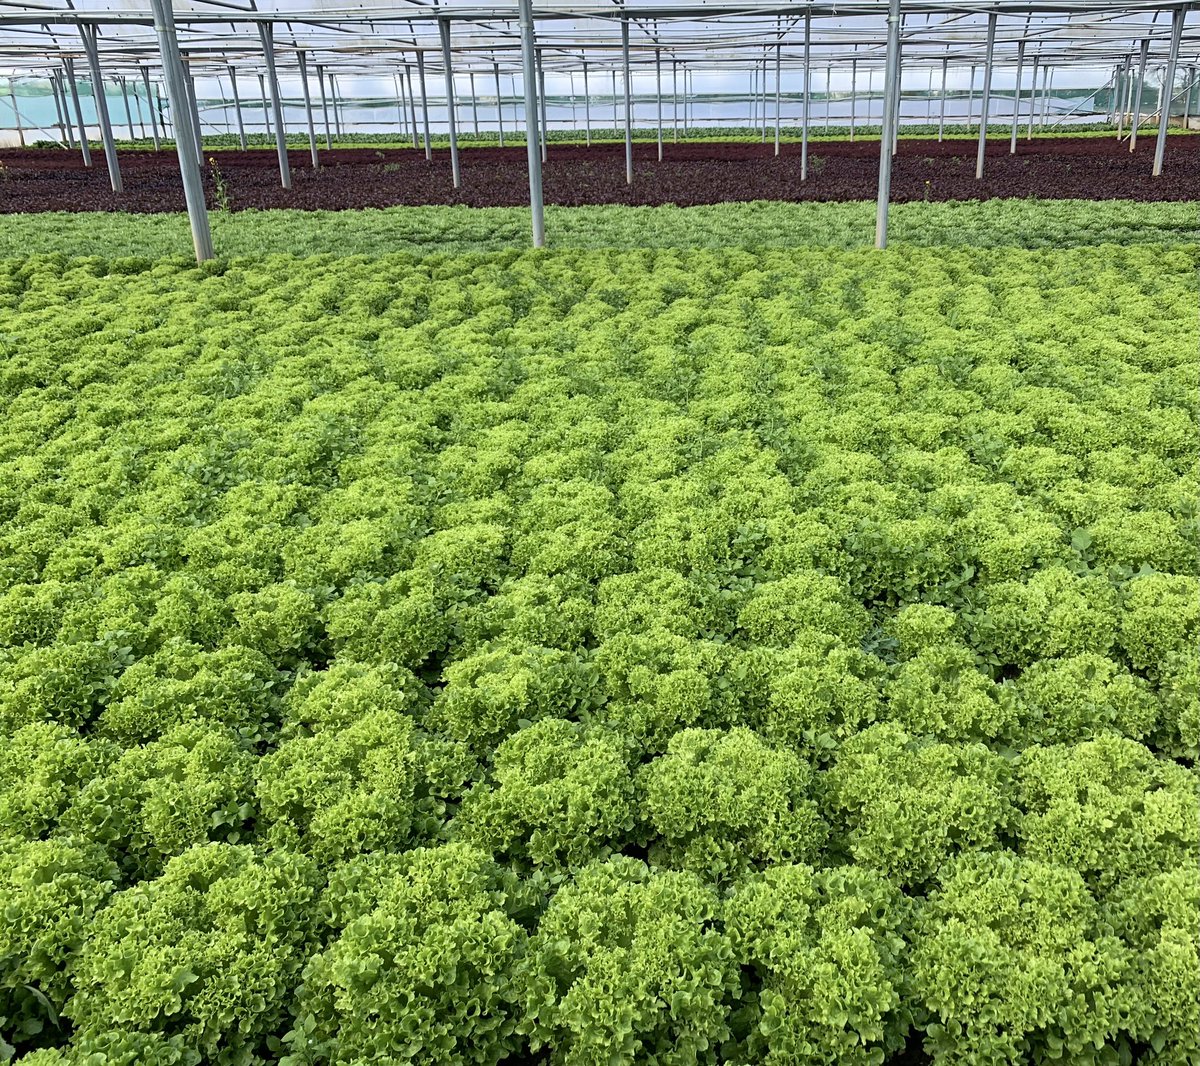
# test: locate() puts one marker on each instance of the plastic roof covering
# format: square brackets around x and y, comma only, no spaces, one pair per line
[373,37]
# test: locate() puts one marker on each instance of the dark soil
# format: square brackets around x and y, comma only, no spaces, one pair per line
[1083,167]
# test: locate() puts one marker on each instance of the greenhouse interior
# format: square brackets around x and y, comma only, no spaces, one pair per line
[618,533]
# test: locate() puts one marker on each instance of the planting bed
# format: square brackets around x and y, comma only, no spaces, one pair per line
[51,180]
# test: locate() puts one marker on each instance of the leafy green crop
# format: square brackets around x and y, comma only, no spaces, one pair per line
[694,657]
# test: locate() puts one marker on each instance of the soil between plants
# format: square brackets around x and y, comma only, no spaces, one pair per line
[1062,168]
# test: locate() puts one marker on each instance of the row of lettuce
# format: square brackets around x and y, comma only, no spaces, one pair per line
[678,657]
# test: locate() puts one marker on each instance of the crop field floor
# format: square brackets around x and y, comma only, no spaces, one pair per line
[737,656]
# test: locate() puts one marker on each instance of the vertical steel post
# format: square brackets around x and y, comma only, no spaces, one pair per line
[338,130]
[262,92]
[499,103]
[1187,98]
[587,107]
[1141,86]
[193,109]
[543,124]
[529,73]
[401,113]
[185,143]
[899,93]
[616,116]
[752,99]
[942,109]
[84,149]
[266,33]
[448,69]
[237,108]
[658,93]
[88,33]
[778,91]
[58,111]
[128,109]
[762,110]
[474,106]
[1012,141]
[1047,87]
[1164,104]
[853,94]
[424,103]
[970,98]
[628,103]
[308,110]
[324,106]
[674,101]
[412,105]
[891,82]
[60,96]
[1032,99]
[985,94]
[807,96]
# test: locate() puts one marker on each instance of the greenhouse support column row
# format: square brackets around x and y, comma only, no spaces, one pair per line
[942,111]
[88,33]
[308,109]
[807,95]
[424,103]
[1137,103]
[628,103]
[1164,103]
[237,108]
[1047,89]
[455,172]
[150,108]
[528,65]
[86,152]
[891,85]
[401,113]
[185,144]
[64,110]
[266,33]
[587,107]
[1012,143]
[499,103]
[985,95]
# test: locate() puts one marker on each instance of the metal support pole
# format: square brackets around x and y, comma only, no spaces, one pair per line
[85,150]
[942,110]
[891,81]
[1141,86]
[543,124]
[970,98]
[616,117]
[128,110]
[628,103]
[1164,104]
[474,106]
[424,103]
[262,92]
[412,105]
[324,106]
[58,112]
[674,101]
[1032,99]
[308,110]
[853,94]
[401,113]
[778,91]
[237,108]
[499,104]
[185,144]
[88,33]
[64,110]
[338,131]
[1012,143]
[587,107]
[985,94]
[150,108]
[807,97]
[1047,88]
[193,108]
[528,69]
[455,172]
[899,93]
[658,93]
[1187,97]
[266,33]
